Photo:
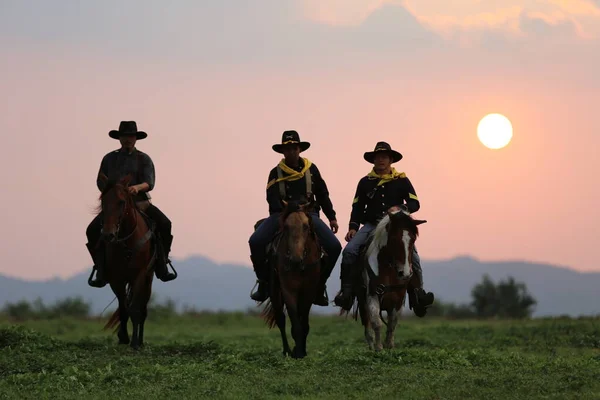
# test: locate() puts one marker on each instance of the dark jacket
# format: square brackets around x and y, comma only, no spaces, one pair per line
[117,164]
[371,202]
[296,191]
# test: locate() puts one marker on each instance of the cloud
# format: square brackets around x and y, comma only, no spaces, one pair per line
[454,19]
[507,16]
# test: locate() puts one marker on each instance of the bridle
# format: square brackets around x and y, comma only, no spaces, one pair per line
[122,214]
[311,233]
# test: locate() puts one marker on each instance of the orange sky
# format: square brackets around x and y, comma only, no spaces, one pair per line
[213,111]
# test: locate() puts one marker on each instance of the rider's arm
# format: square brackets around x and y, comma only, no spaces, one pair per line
[148,175]
[273,197]
[322,194]
[412,201]
[358,206]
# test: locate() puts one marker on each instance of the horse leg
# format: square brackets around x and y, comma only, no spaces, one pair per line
[391,328]
[373,306]
[144,312]
[277,304]
[297,331]
[363,311]
[121,293]
[303,316]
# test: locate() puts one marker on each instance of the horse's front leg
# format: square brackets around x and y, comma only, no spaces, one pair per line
[277,304]
[304,314]
[376,322]
[365,319]
[121,294]
[391,328]
[297,332]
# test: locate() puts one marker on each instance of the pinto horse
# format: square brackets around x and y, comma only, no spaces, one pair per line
[295,273]
[387,274]
[130,255]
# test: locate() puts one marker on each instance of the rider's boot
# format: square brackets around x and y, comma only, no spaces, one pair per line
[326,267]
[345,296]
[260,269]
[162,259]
[98,258]
[419,299]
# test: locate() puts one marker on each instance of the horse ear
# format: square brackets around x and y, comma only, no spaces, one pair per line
[420,221]
[309,206]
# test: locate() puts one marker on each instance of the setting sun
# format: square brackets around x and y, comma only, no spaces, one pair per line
[494,131]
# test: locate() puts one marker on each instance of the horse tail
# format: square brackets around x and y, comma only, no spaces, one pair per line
[268,314]
[114,321]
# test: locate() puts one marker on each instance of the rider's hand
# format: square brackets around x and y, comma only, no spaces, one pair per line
[334,225]
[133,189]
[350,235]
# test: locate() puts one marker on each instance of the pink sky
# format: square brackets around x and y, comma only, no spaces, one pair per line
[214,105]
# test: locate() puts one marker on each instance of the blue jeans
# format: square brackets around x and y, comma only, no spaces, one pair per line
[266,231]
[352,249]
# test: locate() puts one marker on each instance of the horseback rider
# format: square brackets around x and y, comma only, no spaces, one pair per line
[116,165]
[383,188]
[294,179]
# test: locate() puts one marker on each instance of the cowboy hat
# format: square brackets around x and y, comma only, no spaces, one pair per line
[382,147]
[127,128]
[290,137]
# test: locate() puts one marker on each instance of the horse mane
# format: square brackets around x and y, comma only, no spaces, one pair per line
[108,186]
[380,233]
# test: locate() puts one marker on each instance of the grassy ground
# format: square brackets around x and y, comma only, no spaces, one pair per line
[236,356]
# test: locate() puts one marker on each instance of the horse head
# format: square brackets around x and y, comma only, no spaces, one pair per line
[402,231]
[297,228]
[115,202]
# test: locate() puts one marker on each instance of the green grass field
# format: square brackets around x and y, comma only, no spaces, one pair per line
[236,356]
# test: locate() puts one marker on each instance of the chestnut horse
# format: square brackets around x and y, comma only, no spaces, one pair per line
[295,273]
[130,255]
[387,274]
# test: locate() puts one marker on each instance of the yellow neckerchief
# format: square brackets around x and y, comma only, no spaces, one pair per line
[387,177]
[293,175]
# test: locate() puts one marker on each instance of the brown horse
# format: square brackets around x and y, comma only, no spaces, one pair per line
[295,273]
[130,254]
[387,274]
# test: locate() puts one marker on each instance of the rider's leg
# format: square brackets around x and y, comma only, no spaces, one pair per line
[349,261]
[96,250]
[419,298]
[258,242]
[333,248]
[163,226]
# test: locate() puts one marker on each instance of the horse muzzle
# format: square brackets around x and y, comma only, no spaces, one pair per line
[110,237]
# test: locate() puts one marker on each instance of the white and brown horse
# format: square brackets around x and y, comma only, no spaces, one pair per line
[386,275]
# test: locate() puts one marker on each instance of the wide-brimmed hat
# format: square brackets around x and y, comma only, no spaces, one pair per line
[290,137]
[382,147]
[127,128]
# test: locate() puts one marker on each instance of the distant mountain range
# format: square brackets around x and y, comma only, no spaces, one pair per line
[205,285]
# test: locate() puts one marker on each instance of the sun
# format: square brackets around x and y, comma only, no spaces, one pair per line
[494,131]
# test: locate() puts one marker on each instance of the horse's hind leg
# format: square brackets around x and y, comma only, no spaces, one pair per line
[373,306]
[366,322]
[144,312]
[391,328]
